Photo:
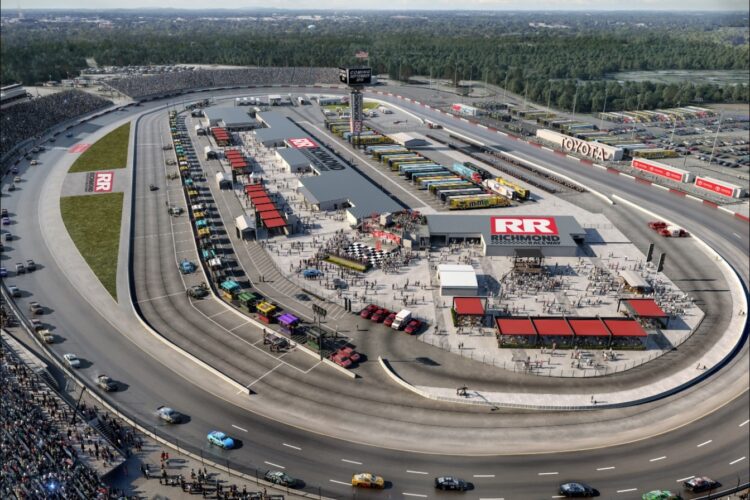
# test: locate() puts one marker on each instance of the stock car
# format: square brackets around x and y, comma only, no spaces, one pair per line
[72,360]
[220,439]
[380,315]
[701,483]
[389,320]
[280,478]
[661,495]
[168,414]
[451,483]
[413,326]
[368,480]
[575,489]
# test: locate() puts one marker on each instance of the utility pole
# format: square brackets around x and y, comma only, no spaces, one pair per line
[671,138]
[505,87]
[575,99]
[604,108]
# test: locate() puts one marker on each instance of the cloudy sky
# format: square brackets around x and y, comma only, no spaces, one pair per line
[681,5]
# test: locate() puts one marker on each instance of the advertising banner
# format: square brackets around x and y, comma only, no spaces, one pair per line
[712,185]
[660,169]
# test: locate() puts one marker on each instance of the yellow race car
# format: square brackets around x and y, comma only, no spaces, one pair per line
[367,480]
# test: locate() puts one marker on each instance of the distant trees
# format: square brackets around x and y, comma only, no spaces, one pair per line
[565,66]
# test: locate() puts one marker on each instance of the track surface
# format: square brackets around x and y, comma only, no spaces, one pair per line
[319,460]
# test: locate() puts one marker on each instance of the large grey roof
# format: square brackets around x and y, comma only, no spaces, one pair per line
[231,116]
[293,156]
[282,128]
[363,195]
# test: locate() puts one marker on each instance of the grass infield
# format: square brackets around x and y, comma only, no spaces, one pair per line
[111,151]
[93,222]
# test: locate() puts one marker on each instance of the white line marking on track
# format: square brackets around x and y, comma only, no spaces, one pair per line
[657,459]
[416,472]
[743,423]
[340,482]
[162,296]
[275,465]
[484,475]
[240,428]
[493,498]
[413,495]
[704,443]
[737,235]
[738,460]
[559,496]
[684,479]
[628,490]
[351,461]
[605,468]
[292,446]
[547,473]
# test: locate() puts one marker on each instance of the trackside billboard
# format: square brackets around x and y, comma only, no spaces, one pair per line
[593,150]
[662,170]
[719,187]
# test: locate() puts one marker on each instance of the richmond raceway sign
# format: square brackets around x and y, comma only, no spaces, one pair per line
[584,148]
[539,231]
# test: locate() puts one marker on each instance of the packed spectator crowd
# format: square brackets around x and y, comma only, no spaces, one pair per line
[41,448]
[30,119]
[165,84]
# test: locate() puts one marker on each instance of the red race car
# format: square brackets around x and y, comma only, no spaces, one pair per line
[368,311]
[413,326]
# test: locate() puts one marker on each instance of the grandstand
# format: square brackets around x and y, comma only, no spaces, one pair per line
[139,87]
[30,119]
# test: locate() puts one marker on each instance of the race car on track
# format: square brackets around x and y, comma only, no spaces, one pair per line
[218,438]
[168,414]
[72,360]
[451,483]
[367,480]
[702,483]
[280,478]
[660,495]
[574,489]
[106,383]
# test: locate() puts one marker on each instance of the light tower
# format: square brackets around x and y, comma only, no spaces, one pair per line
[355,79]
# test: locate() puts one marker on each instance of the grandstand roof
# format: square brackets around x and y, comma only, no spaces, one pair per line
[230,116]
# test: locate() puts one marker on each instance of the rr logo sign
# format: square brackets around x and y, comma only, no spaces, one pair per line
[103,182]
[524,225]
[303,142]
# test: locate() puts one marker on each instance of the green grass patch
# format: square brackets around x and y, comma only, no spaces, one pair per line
[93,222]
[111,151]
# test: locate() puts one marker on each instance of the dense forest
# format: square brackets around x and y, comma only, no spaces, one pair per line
[558,58]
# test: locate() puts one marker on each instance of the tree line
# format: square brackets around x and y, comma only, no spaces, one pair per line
[567,67]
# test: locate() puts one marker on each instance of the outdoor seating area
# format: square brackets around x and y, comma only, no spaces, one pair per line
[568,333]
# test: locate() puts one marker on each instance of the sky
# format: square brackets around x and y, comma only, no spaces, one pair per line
[575,5]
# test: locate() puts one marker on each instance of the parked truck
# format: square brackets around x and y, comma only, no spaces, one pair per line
[402,318]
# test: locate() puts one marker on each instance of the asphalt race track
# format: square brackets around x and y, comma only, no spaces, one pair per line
[371,401]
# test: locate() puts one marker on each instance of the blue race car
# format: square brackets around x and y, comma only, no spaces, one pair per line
[220,439]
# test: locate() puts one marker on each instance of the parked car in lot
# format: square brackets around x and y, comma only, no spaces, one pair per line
[380,315]
[451,483]
[106,383]
[30,265]
[350,353]
[3,272]
[368,311]
[4,212]
[280,478]
[368,480]
[701,483]
[14,170]
[389,320]
[72,360]
[20,268]
[413,327]
[14,290]
[340,359]
[576,489]
[6,221]
[168,414]
[218,438]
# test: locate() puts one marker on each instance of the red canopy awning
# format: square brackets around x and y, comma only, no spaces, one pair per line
[589,327]
[646,308]
[625,328]
[515,326]
[270,214]
[272,223]
[264,207]
[550,327]
[468,306]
